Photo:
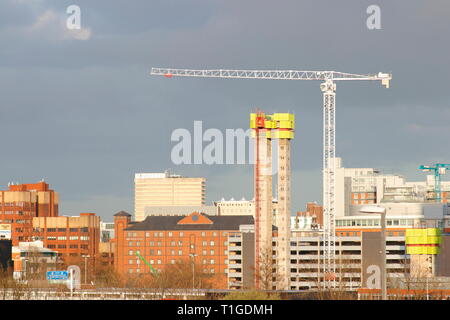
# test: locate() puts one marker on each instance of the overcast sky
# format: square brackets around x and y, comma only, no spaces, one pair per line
[80,109]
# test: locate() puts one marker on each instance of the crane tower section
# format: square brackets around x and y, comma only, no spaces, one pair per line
[329,154]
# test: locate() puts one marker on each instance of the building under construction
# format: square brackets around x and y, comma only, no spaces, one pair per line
[265,127]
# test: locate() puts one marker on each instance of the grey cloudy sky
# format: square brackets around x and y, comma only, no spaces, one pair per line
[80,109]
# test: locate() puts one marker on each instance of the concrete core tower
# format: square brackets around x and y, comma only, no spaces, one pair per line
[282,125]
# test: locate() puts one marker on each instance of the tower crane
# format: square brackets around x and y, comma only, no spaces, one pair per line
[439,169]
[328,88]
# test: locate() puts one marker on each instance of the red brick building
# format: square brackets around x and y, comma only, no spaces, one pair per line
[71,237]
[165,240]
[21,203]
[315,211]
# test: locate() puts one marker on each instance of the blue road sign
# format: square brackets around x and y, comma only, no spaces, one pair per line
[57,275]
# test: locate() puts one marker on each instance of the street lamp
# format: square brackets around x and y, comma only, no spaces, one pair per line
[381,211]
[85,267]
[193,255]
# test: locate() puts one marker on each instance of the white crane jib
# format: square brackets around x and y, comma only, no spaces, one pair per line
[328,87]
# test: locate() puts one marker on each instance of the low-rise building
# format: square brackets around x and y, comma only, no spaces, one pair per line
[167,240]
[32,259]
[71,237]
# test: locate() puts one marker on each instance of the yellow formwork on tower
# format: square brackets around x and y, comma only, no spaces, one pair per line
[423,241]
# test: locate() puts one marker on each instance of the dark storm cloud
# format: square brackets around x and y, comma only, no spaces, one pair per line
[85,114]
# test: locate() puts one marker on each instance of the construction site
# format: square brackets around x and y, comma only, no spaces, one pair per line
[351,248]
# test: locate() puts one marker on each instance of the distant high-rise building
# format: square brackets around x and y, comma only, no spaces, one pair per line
[21,203]
[165,189]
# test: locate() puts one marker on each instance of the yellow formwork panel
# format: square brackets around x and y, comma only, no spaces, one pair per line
[423,232]
[433,231]
[423,250]
[424,240]
[269,124]
[285,124]
[283,116]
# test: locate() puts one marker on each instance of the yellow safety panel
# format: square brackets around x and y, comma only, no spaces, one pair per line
[423,250]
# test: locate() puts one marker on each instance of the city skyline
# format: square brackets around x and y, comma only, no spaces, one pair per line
[81,111]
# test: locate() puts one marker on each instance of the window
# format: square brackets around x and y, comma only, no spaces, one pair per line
[180,243]
[212,270]
[73,238]
[181,234]
[147,234]
[204,243]
[211,252]
[138,244]
[203,234]
[211,243]
[211,261]
[170,234]
[180,252]
[130,253]
[130,261]
[204,252]
[159,252]
[159,261]
[161,234]
[130,243]
[151,244]
[173,243]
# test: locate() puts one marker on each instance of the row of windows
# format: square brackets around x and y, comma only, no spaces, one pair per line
[212,270]
[171,234]
[374,222]
[62,229]
[212,243]
[20,213]
[18,204]
[173,252]
[172,261]
[83,238]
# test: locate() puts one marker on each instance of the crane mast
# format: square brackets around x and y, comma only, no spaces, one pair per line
[328,88]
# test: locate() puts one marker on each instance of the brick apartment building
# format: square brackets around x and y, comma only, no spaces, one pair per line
[165,240]
[71,237]
[21,203]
